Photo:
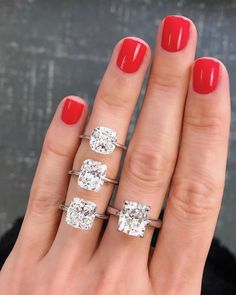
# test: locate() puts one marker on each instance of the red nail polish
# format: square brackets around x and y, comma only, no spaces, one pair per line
[205,75]
[131,55]
[72,111]
[175,33]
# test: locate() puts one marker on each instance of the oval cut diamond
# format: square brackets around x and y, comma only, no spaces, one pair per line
[103,140]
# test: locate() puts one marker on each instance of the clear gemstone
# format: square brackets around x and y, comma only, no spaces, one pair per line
[133,218]
[92,175]
[103,140]
[81,213]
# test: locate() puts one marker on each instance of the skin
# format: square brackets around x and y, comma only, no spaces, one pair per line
[180,140]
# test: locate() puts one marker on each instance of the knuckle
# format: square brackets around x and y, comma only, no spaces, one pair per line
[147,166]
[44,202]
[214,126]
[193,201]
[51,147]
[117,100]
[165,82]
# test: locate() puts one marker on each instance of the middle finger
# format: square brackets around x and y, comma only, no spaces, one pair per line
[152,153]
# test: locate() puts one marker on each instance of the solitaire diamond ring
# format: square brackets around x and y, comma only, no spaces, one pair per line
[92,175]
[133,218]
[103,140]
[81,213]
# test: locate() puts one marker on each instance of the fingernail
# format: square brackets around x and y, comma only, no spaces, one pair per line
[131,55]
[205,75]
[72,111]
[175,33]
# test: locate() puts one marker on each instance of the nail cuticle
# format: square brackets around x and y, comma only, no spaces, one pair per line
[205,75]
[175,34]
[131,55]
[72,111]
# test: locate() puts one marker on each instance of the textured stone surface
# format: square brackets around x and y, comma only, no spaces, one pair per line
[103,140]
[133,218]
[50,49]
[92,175]
[81,213]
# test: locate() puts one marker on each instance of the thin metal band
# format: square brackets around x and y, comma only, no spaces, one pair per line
[113,181]
[119,145]
[153,222]
[106,179]
[83,136]
[64,207]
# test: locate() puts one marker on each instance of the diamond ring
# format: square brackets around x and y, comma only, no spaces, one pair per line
[81,213]
[92,175]
[103,140]
[133,218]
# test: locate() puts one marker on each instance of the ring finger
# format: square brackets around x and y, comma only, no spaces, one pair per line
[113,108]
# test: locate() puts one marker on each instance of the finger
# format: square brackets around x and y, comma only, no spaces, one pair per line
[113,108]
[153,149]
[198,182]
[50,183]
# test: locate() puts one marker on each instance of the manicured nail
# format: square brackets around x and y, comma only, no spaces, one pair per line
[175,33]
[72,111]
[131,55]
[205,75]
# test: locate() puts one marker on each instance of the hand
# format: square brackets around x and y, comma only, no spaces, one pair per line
[180,140]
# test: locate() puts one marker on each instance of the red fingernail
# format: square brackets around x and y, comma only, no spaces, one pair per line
[175,33]
[72,111]
[205,75]
[131,55]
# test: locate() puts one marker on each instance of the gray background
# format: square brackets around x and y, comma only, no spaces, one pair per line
[49,49]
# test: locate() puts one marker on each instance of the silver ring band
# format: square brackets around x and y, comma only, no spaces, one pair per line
[65,208]
[119,145]
[106,179]
[152,222]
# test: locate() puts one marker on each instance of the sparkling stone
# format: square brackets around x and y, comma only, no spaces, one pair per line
[92,175]
[133,218]
[81,213]
[103,140]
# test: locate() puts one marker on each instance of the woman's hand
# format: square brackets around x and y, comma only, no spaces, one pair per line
[180,140]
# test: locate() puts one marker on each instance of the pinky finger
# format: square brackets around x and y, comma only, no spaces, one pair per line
[51,182]
[197,186]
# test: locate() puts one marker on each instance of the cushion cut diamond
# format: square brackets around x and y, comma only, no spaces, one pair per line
[92,175]
[133,218]
[103,140]
[81,213]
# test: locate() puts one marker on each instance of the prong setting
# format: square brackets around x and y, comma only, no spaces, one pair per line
[81,214]
[92,175]
[148,208]
[103,140]
[133,218]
